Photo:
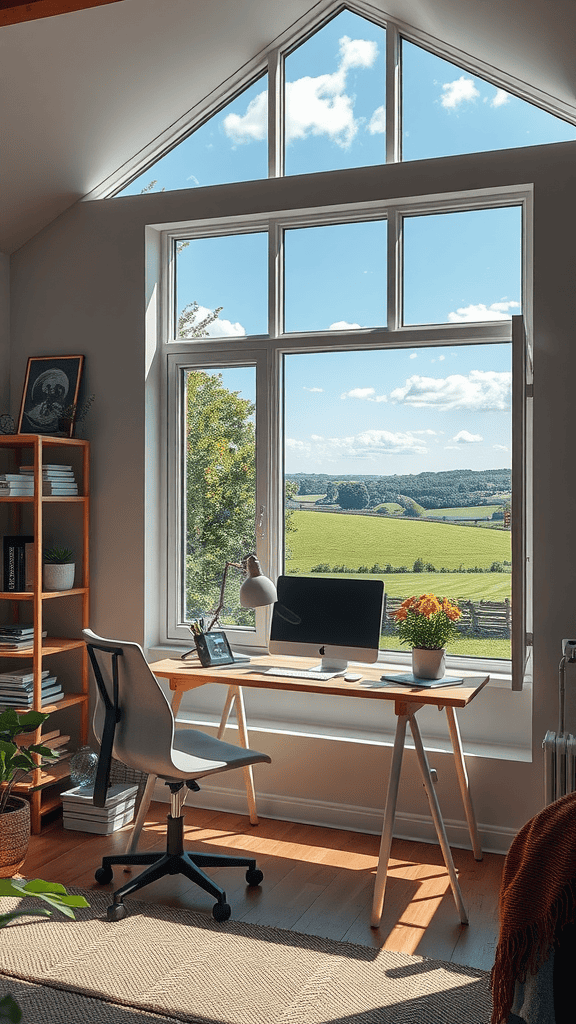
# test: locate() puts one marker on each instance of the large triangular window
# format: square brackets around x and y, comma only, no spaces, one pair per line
[347,93]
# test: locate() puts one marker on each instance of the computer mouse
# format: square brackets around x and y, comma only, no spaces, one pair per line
[352,677]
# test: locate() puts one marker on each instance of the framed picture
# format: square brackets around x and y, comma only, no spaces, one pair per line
[50,395]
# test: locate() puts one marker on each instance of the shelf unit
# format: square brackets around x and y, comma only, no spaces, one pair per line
[36,515]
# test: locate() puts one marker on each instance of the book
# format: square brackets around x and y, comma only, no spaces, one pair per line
[20,675]
[18,645]
[19,702]
[17,628]
[56,488]
[49,473]
[407,679]
[14,561]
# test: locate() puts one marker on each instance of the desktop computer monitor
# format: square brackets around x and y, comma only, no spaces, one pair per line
[337,618]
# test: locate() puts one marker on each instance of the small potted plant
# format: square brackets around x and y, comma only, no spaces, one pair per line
[427,623]
[59,568]
[16,762]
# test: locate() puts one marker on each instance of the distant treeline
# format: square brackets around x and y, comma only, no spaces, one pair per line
[454,488]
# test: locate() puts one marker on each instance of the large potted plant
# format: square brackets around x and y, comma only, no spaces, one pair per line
[16,762]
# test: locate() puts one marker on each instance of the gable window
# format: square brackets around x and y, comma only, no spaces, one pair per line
[356,434]
[348,92]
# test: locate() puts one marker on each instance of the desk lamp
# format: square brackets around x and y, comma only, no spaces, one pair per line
[256,591]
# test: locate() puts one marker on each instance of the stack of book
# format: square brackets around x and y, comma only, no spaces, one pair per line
[56,480]
[80,814]
[17,689]
[17,638]
[15,485]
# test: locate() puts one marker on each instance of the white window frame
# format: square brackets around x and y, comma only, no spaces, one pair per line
[266,353]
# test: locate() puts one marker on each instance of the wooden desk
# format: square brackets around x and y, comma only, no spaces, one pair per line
[183,676]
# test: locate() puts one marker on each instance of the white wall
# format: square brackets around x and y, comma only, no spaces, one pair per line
[79,287]
[4,333]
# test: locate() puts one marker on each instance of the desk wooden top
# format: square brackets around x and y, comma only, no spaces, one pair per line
[186,675]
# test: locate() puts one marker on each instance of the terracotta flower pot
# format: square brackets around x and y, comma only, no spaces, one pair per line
[14,836]
[428,664]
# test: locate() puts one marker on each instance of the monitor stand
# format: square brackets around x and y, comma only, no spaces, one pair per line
[336,665]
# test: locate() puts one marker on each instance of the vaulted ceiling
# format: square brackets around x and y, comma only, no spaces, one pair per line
[83,91]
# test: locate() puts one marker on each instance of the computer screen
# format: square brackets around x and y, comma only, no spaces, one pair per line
[337,618]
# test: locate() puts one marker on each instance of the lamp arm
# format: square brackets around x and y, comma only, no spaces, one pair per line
[216,613]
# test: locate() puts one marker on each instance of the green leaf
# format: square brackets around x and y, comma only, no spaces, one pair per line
[36,885]
[52,893]
[34,911]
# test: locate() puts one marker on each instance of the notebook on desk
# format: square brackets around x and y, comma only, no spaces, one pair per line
[407,679]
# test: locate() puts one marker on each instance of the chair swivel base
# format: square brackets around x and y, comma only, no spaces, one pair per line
[175,861]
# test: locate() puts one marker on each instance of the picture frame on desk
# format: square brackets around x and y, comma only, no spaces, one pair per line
[50,395]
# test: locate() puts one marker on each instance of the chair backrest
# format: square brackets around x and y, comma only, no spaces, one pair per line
[145,729]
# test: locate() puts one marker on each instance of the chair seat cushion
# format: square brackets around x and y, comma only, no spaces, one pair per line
[195,754]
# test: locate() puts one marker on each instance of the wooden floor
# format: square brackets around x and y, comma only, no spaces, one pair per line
[316,880]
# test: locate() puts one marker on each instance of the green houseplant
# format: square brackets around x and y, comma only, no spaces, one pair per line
[59,568]
[16,762]
[427,623]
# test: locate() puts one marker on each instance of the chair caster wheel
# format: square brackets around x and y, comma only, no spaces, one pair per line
[117,912]
[104,875]
[221,911]
[254,876]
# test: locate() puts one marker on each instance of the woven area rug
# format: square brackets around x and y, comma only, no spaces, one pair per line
[162,964]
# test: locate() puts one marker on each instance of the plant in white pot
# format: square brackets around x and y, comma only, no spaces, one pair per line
[16,762]
[59,568]
[427,623]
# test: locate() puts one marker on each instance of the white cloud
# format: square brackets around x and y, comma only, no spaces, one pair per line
[251,126]
[481,390]
[192,177]
[312,390]
[365,394]
[219,328]
[314,106]
[454,94]
[478,312]
[500,98]
[343,325]
[377,123]
[465,437]
[413,355]
[369,445]
[500,447]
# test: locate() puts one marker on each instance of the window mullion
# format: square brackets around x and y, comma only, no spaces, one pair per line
[275,114]
[393,109]
[394,269]
[275,279]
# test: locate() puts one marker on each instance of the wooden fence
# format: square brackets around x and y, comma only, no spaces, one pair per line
[479,618]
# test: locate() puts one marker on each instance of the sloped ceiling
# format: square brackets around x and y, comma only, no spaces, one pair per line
[82,92]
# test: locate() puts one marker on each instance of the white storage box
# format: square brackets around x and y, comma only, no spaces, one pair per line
[81,815]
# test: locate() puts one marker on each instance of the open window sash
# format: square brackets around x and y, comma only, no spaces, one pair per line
[521,523]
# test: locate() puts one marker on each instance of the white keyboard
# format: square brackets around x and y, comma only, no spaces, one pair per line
[296,673]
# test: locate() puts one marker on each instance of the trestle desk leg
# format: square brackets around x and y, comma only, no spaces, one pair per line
[235,698]
[388,826]
[463,782]
[437,818]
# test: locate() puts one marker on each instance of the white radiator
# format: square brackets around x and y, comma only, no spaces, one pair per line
[560,747]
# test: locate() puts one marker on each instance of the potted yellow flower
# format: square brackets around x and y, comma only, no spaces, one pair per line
[427,623]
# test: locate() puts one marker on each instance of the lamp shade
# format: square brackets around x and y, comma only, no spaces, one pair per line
[257,590]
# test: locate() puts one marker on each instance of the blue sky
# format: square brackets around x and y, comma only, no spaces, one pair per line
[387,412]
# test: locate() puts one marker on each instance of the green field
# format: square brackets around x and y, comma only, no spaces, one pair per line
[475,512]
[336,539]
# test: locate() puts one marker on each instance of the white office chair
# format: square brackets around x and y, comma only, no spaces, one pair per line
[134,723]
